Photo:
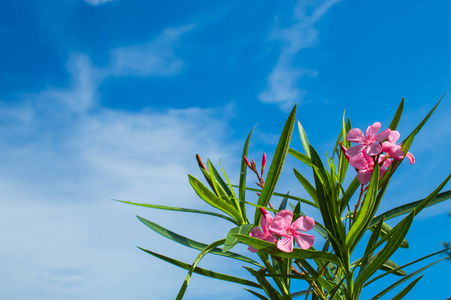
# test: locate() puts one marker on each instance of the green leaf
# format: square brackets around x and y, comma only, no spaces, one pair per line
[302,157]
[193,244]
[272,249]
[406,145]
[343,162]
[235,199]
[327,205]
[231,240]
[257,294]
[307,186]
[394,285]
[394,123]
[407,289]
[388,266]
[407,208]
[304,139]
[387,228]
[243,173]
[193,266]
[348,194]
[209,197]
[201,271]
[406,265]
[276,165]
[365,214]
[267,287]
[284,202]
[408,141]
[188,210]
[301,293]
[281,195]
[216,187]
[219,179]
[396,236]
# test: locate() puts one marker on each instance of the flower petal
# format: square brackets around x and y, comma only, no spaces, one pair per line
[410,157]
[252,249]
[304,240]
[373,149]
[256,233]
[397,154]
[265,220]
[286,244]
[303,223]
[355,135]
[364,176]
[383,135]
[371,130]
[393,137]
[281,222]
[355,150]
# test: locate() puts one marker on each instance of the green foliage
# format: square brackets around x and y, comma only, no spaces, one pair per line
[347,213]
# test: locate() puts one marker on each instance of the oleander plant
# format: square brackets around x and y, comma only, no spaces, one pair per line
[280,250]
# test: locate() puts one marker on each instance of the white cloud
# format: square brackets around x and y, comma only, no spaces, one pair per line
[154,58]
[65,238]
[98,2]
[64,156]
[282,84]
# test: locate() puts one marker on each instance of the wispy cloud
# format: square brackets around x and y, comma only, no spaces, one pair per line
[98,2]
[154,58]
[64,156]
[64,221]
[283,82]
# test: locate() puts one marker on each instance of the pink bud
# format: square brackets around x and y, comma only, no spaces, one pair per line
[263,211]
[343,149]
[247,162]
[264,160]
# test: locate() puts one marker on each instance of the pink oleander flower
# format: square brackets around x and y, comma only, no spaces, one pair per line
[368,142]
[365,166]
[281,225]
[263,234]
[394,150]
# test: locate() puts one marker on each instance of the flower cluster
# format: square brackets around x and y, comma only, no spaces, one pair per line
[370,149]
[281,229]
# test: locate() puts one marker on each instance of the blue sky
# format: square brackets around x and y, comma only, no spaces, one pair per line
[112,99]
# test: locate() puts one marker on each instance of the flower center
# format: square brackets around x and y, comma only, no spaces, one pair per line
[290,231]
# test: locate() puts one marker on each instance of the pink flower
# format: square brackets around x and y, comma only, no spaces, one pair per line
[368,142]
[365,165]
[394,150]
[264,233]
[282,226]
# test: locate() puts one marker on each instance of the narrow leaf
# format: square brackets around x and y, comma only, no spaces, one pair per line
[307,186]
[188,210]
[302,157]
[272,249]
[243,173]
[202,271]
[397,283]
[407,208]
[209,197]
[394,123]
[193,266]
[231,240]
[304,139]
[193,244]
[276,164]
[407,289]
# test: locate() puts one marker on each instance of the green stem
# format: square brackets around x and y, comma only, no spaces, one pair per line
[280,283]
